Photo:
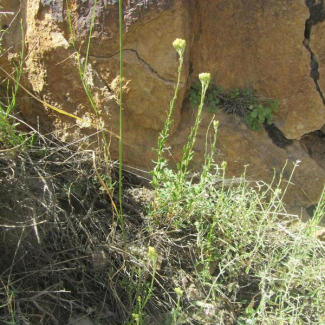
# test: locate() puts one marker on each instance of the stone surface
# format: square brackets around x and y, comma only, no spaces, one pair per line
[239,146]
[314,143]
[318,47]
[258,44]
[243,43]
[10,35]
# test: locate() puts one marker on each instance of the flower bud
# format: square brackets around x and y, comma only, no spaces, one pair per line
[224,164]
[179,45]
[152,254]
[136,317]
[179,292]
[204,78]
[215,124]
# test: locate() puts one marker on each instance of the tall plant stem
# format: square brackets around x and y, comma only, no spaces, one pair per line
[121,119]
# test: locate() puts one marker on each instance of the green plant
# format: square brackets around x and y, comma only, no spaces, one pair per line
[188,148]
[319,214]
[248,255]
[260,114]
[171,186]
[250,260]
[10,135]
[235,93]
[158,172]
[83,68]
[176,311]
[212,96]
[143,292]
[121,116]
[239,101]
[10,294]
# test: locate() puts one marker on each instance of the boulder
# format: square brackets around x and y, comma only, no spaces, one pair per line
[259,44]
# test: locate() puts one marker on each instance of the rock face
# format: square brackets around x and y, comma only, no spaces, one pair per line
[260,44]
[315,29]
[274,47]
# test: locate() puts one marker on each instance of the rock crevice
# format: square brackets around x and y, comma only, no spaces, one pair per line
[317,15]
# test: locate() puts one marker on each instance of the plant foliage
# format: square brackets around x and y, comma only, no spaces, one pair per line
[241,102]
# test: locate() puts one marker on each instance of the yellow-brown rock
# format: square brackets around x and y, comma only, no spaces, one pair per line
[239,146]
[317,45]
[246,43]
[259,44]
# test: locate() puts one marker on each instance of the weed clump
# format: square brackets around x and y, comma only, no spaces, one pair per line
[241,102]
[251,265]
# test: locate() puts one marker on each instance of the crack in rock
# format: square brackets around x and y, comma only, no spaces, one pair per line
[151,69]
[317,15]
[277,136]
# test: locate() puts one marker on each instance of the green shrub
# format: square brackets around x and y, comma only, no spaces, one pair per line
[260,114]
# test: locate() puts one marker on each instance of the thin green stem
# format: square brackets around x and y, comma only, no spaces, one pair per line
[151,285]
[9,133]
[82,68]
[90,34]
[161,162]
[188,150]
[121,119]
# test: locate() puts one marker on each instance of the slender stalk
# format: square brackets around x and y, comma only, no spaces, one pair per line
[188,149]
[157,173]
[90,34]
[121,119]
[82,67]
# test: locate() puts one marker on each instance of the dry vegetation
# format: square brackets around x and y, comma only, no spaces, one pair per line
[188,248]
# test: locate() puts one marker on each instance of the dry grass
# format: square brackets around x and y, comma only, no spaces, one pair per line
[60,240]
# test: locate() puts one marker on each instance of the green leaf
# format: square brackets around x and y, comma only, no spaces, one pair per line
[275,105]
[270,119]
[212,109]
[235,93]
[256,126]
[254,113]
[249,311]
[197,85]
[249,119]
[261,119]
[247,92]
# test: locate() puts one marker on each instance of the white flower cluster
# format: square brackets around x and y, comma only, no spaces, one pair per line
[179,45]
[205,77]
